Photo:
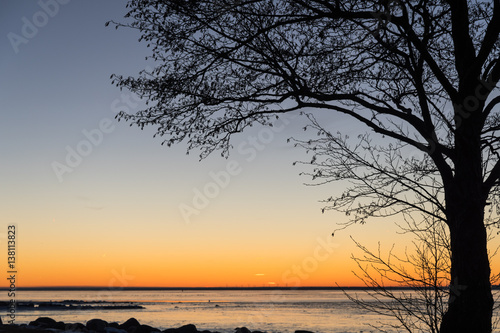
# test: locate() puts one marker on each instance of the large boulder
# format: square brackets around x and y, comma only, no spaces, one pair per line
[97,325]
[130,325]
[46,322]
[114,325]
[189,328]
[43,321]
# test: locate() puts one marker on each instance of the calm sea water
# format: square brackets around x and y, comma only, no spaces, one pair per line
[223,311]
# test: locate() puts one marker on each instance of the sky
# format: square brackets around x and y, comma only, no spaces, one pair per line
[99,203]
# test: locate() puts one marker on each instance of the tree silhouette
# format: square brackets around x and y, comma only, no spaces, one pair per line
[422,74]
[423,270]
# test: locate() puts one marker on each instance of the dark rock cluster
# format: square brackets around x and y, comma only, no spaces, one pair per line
[49,325]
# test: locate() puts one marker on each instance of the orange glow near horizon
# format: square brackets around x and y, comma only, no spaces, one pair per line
[315,266]
[197,262]
[98,203]
[89,250]
[195,275]
[327,274]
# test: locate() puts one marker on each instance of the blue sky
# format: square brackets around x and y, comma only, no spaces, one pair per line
[122,197]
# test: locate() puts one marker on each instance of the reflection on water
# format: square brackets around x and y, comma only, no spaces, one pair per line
[215,310]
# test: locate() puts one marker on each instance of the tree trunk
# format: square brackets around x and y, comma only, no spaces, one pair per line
[471,301]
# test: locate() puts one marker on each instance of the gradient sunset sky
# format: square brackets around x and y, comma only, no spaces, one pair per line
[129,212]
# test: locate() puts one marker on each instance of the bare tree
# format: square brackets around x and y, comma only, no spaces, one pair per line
[422,74]
[411,287]
[423,272]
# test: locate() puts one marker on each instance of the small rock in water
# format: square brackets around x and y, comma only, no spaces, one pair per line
[189,328]
[242,330]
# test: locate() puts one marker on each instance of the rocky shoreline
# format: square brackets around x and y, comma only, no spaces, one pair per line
[132,325]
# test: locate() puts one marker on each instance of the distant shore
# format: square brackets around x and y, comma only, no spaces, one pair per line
[72,305]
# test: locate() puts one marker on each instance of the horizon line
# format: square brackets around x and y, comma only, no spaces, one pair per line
[174,288]
[100,288]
